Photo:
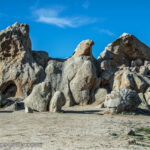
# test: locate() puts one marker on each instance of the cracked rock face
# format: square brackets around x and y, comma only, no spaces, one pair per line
[122,100]
[19,72]
[44,82]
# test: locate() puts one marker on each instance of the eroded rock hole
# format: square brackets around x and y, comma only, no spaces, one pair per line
[9,89]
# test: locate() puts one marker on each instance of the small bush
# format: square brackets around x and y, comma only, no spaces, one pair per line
[114,134]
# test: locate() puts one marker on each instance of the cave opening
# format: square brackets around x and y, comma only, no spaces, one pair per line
[9,89]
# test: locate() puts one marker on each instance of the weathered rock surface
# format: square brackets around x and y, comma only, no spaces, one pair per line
[100,95]
[39,99]
[76,76]
[11,103]
[122,100]
[132,80]
[84,49]
[82,79]
[57,101]
[3,101]
[147,97]
[41,58]
[127,52]
[19,72]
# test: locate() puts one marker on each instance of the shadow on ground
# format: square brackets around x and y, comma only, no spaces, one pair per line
[5,111]
[138,111]
[82,111]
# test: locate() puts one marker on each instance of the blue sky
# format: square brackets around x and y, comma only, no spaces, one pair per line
[57,26]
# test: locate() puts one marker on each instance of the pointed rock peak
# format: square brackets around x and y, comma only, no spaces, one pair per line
[14,42]
[15,29]
[125,35]
[127,45]
[84,48]
[16,24]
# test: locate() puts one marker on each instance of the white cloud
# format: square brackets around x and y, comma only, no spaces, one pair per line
[53,16]
[106,31]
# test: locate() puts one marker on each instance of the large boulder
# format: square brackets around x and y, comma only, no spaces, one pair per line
[84,82]
[54,74]
[100,95]
[127,79]
[79,76]
[57,101]
[39,98]
[121,100]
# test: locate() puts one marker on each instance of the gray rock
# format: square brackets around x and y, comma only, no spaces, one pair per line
[128,79]
[39,98]
[11,103]
[147,97]
[12,107]
[19,70]
[54,74]
[146,62]
[76,77]
[84,81]
[147,90]
[101,105]
[57,101]
[28,110]
[143,70]
[100,95]
[122,100]
[41,57]
[3,101]
[131,141]
[130,132]
[142,98]
[126,51]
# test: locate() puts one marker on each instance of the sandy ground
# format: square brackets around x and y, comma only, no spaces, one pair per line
[79,128]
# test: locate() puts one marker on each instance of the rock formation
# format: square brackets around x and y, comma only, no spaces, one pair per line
[122,100]
[39,97]
[57,101]
[19,71]
[46,84]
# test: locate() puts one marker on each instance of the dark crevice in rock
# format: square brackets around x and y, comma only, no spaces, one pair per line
[9,89]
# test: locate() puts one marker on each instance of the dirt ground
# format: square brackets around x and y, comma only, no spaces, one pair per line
[78,128]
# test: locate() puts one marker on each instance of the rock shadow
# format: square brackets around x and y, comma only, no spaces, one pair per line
[5,111]
[138,111]
[82,111]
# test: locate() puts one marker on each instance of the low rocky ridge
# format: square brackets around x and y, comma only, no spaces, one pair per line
[119,79]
